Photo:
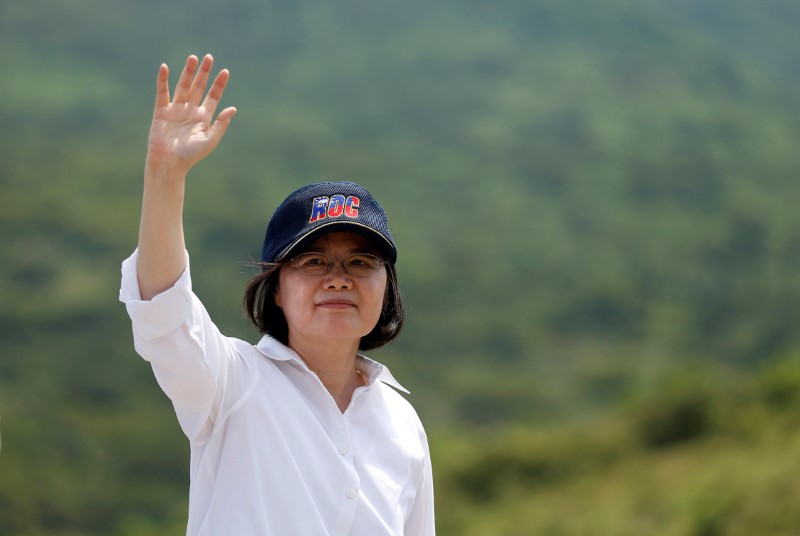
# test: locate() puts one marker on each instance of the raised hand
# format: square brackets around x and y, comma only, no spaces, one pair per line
[184,130]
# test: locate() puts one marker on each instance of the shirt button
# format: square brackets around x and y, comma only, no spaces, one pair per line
[343,451]
[351,493]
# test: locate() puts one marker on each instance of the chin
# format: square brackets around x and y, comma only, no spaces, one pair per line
[342,330]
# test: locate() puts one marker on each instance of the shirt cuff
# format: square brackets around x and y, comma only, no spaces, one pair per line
[165,312]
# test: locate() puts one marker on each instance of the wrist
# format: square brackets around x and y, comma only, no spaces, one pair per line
[164,173]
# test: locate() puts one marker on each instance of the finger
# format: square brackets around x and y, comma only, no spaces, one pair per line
[162,86]
[221,125]
[217,89]
[227,114]
[200,81]
[184,86]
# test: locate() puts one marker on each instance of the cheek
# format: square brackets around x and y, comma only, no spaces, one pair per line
[287,293]
[279,290]
[378,296]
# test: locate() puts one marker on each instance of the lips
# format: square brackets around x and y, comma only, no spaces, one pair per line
[336,303]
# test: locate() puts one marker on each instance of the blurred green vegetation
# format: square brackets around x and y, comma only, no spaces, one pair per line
[707,452]
[593,206]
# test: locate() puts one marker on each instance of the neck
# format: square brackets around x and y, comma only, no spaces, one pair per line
[334,364]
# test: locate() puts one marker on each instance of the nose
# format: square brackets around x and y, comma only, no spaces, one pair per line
[337,277]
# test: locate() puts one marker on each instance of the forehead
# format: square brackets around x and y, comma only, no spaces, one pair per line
[342,241]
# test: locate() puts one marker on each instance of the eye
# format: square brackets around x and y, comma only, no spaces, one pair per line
[364,261]
[311,260]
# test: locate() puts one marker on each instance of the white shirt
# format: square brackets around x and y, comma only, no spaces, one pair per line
[271,453]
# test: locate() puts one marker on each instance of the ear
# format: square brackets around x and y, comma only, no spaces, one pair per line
[277,297]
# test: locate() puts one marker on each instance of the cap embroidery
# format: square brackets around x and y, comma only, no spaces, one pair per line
[334,207]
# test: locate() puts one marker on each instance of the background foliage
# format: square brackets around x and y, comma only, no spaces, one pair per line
[594,204]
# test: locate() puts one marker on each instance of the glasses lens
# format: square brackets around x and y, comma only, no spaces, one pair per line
[362,264]
[312,263]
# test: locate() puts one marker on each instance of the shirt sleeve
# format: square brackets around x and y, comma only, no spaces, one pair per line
[174,333]
[421,521]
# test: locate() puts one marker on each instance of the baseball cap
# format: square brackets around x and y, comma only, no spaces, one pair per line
[321,208]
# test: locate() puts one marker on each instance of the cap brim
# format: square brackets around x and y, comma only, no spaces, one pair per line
[380,241]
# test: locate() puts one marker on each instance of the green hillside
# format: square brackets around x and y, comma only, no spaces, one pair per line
[589,199]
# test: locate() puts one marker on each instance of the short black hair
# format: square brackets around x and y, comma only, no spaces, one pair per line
[268,318]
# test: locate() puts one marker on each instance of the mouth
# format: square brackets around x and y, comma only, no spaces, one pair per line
[338,303]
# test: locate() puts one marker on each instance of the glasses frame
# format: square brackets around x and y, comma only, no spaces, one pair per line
[343,262]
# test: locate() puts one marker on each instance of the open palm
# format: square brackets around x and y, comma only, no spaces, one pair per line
[183,130]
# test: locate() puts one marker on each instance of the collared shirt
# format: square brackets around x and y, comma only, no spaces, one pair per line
[271,453]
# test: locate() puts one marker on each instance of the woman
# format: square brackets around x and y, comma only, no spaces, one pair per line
[299,434]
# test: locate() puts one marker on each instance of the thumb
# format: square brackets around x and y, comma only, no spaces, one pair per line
[222,123]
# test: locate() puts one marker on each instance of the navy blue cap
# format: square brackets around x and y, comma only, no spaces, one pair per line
[321,208]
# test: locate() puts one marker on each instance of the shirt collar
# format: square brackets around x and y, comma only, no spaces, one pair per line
[374,371]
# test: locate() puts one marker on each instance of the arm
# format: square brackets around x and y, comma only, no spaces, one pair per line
[182,133]
[421,519]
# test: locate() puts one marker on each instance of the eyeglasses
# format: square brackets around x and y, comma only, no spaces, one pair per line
[356,264]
